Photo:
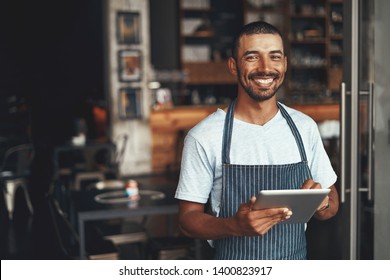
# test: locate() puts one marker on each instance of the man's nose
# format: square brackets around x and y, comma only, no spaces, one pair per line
[264,65]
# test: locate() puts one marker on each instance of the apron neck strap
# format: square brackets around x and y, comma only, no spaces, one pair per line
[228,131]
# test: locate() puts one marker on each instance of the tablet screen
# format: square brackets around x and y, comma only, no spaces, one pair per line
[302,202]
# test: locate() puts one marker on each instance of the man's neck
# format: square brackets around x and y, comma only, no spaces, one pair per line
[259,113]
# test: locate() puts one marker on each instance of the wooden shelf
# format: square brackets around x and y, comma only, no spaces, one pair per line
[336,37]
[320,112]
[308,16]
[198,35]
[196,10]
[179,118]
[203,73]
[309,66]
[309,41]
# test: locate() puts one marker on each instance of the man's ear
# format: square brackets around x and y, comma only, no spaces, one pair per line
[232,64]
[285,63]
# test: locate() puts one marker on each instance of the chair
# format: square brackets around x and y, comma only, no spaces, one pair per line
[121,143]
[110,161]
[107,165]
[85,178]
[14,173]
[130,237]
[113,167]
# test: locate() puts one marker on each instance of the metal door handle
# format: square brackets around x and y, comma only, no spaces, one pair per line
[371,144]
[370,141]
[343,142]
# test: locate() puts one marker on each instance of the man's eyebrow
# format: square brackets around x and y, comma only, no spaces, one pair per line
[250,52]
[256,52]
[276,51]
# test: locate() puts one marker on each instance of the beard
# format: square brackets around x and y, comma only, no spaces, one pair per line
[262,94]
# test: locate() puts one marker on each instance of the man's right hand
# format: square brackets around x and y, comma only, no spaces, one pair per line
[258,222]
[195,223]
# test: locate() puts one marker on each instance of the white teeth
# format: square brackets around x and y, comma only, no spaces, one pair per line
[262,81]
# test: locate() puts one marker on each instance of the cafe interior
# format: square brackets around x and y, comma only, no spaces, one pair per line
[97,96]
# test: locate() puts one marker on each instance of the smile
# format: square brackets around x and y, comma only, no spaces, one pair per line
[264,81]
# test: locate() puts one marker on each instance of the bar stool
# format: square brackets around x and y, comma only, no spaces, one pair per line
[14,173]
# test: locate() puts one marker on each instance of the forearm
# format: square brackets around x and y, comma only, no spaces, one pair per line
[329,212]
[205,226]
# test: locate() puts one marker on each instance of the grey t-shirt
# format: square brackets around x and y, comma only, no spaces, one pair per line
[271,143]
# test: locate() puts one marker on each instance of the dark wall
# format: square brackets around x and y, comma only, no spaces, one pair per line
[52,53]
[51,57]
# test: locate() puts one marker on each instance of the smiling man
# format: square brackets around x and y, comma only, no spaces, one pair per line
[255,144]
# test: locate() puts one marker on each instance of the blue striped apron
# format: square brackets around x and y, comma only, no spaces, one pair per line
[241,182]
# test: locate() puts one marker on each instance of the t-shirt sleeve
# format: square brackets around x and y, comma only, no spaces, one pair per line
[196,173]
[320,165]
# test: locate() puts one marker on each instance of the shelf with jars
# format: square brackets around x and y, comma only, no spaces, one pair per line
[314,49]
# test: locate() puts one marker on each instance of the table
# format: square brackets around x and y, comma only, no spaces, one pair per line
[87,209]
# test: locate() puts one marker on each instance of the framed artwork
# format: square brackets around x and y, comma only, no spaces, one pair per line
[129,65]
[128,28]
[130,103]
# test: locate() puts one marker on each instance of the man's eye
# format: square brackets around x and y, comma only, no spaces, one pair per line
[251,57]
[276,57]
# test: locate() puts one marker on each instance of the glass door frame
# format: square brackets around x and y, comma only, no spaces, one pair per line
[354,190]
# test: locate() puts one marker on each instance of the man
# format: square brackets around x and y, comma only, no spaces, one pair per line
[256,144]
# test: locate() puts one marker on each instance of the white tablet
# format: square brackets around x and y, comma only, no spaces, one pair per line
[302,202]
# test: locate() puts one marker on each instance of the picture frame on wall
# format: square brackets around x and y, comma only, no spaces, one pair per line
[129,65]
[128,28]
[130,103]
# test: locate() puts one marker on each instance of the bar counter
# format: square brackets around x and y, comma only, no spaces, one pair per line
[168,128]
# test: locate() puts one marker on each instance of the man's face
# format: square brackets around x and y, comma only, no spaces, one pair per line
[261,65]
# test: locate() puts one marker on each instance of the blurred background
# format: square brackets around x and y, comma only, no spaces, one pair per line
[106,90]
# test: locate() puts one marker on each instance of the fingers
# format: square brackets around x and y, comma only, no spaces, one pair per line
[270,217]
[323,204]
[262,220]
[310,184]
[247,206]
[252,202]
[274,215]
[258,222]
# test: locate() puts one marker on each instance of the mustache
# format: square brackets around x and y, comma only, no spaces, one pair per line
[264,75]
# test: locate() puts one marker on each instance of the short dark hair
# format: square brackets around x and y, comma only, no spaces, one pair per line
[257,27]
